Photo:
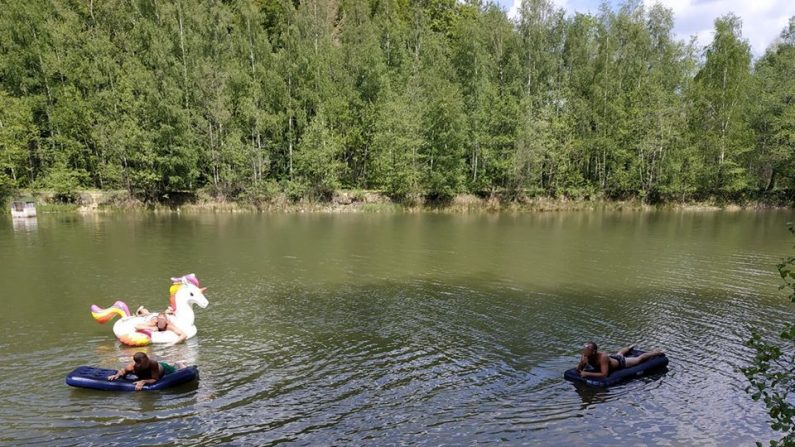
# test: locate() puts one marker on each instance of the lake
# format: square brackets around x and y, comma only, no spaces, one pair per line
[385,329]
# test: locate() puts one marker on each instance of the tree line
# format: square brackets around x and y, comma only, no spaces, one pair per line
[243,99]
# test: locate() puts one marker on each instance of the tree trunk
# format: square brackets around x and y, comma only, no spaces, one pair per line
[49,93]
[126,174]
[290,146]
[184,57]
[250,45]
[771,181]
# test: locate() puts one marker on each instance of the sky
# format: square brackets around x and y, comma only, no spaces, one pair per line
[763,20]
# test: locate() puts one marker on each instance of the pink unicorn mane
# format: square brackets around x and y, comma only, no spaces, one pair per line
[190,277]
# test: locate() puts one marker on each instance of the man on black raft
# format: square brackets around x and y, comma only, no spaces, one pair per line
[148,371]
[603,364]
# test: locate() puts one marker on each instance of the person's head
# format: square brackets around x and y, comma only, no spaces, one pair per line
[589,348]
[141,360]
[161,322]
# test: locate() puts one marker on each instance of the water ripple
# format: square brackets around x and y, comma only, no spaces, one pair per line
[458,339]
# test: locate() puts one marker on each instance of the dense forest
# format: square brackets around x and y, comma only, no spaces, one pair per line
[244,99]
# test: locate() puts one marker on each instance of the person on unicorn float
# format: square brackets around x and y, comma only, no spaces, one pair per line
[161,322]
[173,325]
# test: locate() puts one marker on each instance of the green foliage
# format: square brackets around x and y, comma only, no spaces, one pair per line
[428,98]
[261,193]
[772,371]
[65,182]
[317,159]
[397,141]
[6,188]
[295,191]
[721,95]
[787,271]
[774,120]
[444,122]
[17,140]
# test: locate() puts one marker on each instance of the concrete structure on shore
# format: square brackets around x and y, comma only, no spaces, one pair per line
[23,208]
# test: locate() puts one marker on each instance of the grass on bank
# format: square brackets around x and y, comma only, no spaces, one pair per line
[90,201]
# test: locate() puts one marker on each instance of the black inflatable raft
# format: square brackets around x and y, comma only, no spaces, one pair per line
[654,364]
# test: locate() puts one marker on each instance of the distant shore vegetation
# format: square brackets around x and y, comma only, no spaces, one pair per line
[362,201]
[272,103]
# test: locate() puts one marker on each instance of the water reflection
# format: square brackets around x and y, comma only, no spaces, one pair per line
[590,395]
[26,224]
[112,354]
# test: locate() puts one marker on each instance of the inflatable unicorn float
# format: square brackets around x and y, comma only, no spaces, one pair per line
[185,291]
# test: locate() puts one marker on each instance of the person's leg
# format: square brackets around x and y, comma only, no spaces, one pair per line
[632,361]
[625,351]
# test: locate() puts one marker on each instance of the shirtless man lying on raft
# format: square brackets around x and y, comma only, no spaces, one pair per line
[147,370]
[604,364]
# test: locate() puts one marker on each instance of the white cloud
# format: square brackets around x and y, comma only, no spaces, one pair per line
[763,20]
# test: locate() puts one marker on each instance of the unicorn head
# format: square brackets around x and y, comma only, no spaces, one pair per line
[186,294]
[176,283]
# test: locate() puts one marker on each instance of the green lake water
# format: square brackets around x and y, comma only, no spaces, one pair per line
[385,329]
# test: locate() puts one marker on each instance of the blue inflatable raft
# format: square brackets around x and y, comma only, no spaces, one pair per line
[654,364]
[97,378]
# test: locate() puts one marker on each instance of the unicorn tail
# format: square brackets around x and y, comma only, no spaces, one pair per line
[102,316]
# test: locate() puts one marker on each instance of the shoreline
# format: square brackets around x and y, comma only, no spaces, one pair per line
[92,202]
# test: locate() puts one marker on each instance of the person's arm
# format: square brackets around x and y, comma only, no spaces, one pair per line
[583,362]
[122,372]
[139,384]
[604,368]
[146,325]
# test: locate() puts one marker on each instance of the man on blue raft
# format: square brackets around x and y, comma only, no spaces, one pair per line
[603,364]
[147,371]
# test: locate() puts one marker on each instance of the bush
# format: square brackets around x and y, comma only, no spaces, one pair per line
[772,373]
[65,183]
[295,191]
[7,187]
[261,193]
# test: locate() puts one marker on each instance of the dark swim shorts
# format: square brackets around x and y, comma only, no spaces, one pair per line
[622,362]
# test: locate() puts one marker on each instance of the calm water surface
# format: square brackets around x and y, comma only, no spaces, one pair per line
[394,329]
